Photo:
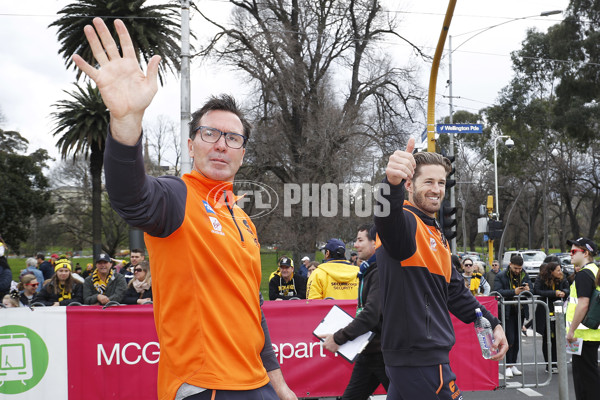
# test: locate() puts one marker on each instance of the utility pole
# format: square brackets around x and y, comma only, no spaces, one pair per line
[490,210]
[186,165]
[433,77]
[451,152]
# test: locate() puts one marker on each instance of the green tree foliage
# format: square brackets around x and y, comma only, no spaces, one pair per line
[154,29]
[576,42]
[550,109]
[25,193]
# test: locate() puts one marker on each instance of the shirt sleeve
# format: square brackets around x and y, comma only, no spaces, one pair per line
[584,283]
[395,230]
[368,319]
[486,286]
[267,355]
[155,205]
[462,303]
[313,287]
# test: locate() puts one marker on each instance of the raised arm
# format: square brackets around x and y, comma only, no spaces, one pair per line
[394,230]
[125,89]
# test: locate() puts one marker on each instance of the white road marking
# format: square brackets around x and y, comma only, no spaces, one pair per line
[530,392]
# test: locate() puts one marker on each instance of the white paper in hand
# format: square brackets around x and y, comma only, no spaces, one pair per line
[575,347]
[335,320]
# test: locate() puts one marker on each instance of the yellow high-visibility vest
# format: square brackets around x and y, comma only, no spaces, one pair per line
[582,331]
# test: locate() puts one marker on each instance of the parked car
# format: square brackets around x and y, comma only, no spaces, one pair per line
[565,263]
[470,254]
[532,260]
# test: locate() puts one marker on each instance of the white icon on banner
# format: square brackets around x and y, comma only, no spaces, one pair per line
[15,358]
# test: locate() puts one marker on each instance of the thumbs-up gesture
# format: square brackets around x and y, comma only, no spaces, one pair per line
[401,164]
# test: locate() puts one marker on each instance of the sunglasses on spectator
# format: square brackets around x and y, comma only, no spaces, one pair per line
[137,270]
[468,265]
[32,284]
[573,251]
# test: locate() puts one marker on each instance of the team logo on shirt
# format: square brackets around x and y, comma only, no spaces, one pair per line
[433,244]
[217,227]
[208,208]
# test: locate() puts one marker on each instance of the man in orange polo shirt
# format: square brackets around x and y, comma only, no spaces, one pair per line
[214,342]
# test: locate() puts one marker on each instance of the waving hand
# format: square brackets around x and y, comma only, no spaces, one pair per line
[125,89]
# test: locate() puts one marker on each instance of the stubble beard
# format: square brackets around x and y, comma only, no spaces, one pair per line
[421,203]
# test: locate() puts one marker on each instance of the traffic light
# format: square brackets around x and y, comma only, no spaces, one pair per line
[495,229]
[450,181]
[448,220]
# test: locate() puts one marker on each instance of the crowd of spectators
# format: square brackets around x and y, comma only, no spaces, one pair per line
[55,282]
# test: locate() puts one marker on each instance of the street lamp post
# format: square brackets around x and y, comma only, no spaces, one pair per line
[509,143]
[451,97]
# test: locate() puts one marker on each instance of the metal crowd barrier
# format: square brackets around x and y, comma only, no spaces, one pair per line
[527,298]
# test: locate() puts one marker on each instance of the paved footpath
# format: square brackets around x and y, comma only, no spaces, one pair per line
[513,388]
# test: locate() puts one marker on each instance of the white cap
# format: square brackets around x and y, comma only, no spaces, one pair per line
[305,259]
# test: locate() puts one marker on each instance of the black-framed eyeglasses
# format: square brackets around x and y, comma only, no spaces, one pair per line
[212,135]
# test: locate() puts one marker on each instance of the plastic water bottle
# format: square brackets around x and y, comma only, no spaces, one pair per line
[483,328]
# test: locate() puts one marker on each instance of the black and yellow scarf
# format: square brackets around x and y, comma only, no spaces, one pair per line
[99,284]
[63,295]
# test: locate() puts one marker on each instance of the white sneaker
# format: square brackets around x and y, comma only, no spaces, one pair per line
[515,371]
[508,373]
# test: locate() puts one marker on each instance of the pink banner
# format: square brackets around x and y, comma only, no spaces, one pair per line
[113,353]
[312,372]
[473,372]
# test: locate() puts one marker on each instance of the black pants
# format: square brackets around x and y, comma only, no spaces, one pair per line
[436,382]
[586,376]
[263,393]
[368,373]
[552,340]
[513,337]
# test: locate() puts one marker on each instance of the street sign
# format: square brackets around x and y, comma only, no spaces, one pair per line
[459,128]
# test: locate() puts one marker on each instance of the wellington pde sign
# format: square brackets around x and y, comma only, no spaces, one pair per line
[459,128]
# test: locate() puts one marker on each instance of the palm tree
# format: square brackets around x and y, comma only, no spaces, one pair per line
[82,123]
[154,29]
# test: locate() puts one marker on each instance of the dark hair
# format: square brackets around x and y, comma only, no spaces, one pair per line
[551,258]
[40,256]
[428,158]
[339,254]
[370,229]
[546,270]
[465,259]
[455,261]
[223,102]
[137,251]
[516,259]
